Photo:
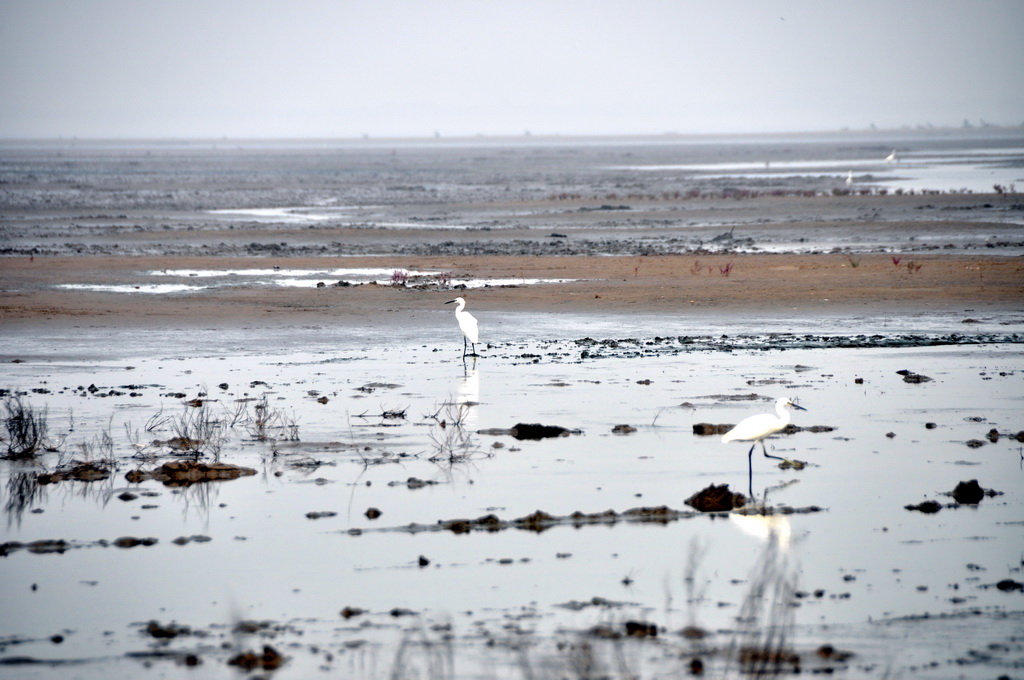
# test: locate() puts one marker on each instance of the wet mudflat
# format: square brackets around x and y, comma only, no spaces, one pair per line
[240,436]
[389,520]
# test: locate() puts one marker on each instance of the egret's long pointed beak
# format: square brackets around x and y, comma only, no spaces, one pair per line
[451,301]
[799,407]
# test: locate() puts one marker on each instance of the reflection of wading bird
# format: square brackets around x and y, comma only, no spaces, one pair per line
[757,429]
[467,322]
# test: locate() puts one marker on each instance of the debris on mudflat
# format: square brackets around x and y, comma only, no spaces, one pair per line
[716,499]
[132,542]
[269,660]
[531,431]
[186,472]
[623,429]
[911,377]
[767,661]
[705,429]
[414,483]
[167,632]
[320,514]
[597,601]
[927,507]
[971,493]
[80,472]
[539,520]
[637,629]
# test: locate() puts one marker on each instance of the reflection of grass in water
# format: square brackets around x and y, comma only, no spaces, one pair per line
[760,648]
[452,442]
[22,493]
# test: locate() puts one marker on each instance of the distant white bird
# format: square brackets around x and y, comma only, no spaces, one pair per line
[892,158]
[849,178]
[468,324]
[758,428]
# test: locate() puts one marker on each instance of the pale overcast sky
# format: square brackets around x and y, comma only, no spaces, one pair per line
[342,68]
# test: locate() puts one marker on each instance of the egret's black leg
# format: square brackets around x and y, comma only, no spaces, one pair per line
[768,455]
[750,470]
[797,464]
[463,347]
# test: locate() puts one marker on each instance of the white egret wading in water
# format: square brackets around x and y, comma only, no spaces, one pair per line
[467,322]
[757,429]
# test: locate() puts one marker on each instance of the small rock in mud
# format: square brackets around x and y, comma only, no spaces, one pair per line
[833,654]
[927,507]
[911,377]
[971,493]
[694,633]
[623,429]
[131,542]
[641,629]
[349,612]
[166,632]
[413,483]
[188,472]
[716,499]
[704,429]
[197,538]
[930,426]
[372,513]
[975,443]
[321,514]
[269,660]
[537,521]
[400,611]
[1008,585]
[423,561]
[81,472]
[537,431]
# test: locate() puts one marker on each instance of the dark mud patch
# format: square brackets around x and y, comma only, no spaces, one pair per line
[77,471]
[716,499]
[59,546]
[971,493]
[186,473]
[590,348]
[965,493]
[540,521]
[530,431]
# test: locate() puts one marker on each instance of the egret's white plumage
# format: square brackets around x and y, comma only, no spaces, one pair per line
[758,428]
[468,324]
[892,158]
[849,177]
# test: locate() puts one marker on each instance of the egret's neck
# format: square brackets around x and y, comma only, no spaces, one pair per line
[783,413]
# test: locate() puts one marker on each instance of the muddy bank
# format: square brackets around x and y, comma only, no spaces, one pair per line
[785,285]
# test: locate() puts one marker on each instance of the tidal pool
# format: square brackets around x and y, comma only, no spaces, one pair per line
[350,425]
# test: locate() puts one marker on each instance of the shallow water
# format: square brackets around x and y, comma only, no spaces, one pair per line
[872,562]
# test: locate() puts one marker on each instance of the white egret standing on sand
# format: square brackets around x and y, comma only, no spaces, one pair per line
[758,428]
[892,157]
[468,324]
[849,178]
